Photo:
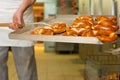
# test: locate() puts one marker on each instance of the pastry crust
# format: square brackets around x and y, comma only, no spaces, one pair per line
[58,27]
[42,31]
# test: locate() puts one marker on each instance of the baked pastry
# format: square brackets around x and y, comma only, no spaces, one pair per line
[108,38]
[114,76]
[104,28]
[105,22]
[58,27]
[42,31]
[84,18]
[88,33]
[71,32]
[100,18]
[81,24]
[114,19]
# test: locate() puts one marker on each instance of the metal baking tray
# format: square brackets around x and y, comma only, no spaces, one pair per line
[24,34]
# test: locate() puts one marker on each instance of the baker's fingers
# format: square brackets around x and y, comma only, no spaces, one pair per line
[15,26]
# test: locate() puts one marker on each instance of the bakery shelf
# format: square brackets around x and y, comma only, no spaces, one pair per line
[101,67]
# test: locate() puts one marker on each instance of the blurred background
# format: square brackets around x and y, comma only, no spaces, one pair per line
[72,61]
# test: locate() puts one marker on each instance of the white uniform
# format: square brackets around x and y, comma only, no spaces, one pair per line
[23,51]
[7,9]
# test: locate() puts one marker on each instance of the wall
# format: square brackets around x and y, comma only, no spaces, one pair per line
[107,7]
[84,7]
[49,7]
[118,11]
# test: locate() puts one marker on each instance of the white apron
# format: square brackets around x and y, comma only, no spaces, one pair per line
[7,9]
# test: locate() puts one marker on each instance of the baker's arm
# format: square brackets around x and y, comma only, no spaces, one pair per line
[18,15]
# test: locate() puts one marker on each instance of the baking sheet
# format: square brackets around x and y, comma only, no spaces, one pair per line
[24,34]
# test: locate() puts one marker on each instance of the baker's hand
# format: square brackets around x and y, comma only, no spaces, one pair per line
[15,26]
[18,21]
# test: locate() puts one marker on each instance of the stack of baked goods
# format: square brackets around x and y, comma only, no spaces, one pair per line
[103,27]
[81,26]
[106,28]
